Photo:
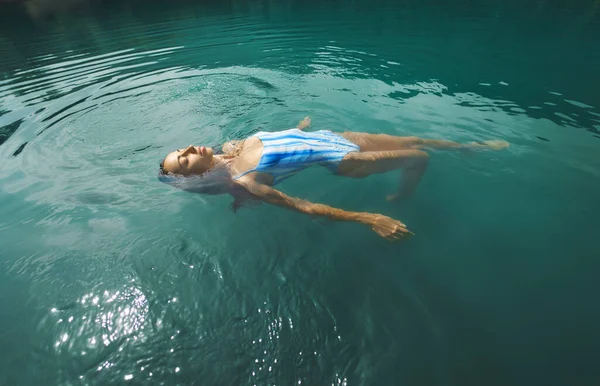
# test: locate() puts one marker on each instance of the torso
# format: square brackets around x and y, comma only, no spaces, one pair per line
[269,158]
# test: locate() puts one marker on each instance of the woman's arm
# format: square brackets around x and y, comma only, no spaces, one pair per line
[384,226]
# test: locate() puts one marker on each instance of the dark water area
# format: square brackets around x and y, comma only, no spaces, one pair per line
[108,276]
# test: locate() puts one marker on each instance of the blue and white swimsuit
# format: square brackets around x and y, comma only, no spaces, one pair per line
[287,152]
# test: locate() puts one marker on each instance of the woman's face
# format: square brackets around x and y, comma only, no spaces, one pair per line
[193,160]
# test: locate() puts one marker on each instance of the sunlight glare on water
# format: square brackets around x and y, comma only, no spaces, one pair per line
[108,276]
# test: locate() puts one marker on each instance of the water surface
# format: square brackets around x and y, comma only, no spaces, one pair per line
[108,276]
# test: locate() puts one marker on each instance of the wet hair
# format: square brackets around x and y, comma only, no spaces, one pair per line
[162,170]
[214,181]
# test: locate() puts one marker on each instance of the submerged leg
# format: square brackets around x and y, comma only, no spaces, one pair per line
[379,142]
[412,162]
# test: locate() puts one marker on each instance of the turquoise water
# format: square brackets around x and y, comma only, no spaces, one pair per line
[108,276]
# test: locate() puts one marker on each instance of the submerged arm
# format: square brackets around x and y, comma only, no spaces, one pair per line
[384,226]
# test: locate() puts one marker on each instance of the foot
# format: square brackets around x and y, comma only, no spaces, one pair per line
[495,144]
[396,197]
[392,197]
[303,124]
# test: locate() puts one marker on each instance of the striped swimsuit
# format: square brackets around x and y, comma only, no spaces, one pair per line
[287,152]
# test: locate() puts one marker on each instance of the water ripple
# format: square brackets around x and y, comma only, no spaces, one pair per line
[138,282]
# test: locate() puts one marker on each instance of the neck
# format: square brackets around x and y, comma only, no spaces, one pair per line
[221,159]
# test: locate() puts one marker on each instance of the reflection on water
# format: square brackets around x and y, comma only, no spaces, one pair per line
[118,322]
[110,276]
[99,320]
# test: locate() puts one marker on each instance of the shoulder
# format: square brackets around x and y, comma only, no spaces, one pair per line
[251,151]
[252,142]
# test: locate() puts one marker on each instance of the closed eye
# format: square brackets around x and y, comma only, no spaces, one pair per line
[182,160]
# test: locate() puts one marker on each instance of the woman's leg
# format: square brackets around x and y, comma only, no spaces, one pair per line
[412,162]
[379,142]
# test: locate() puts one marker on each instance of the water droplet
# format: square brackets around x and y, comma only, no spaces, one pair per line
[177,369]
[128,377]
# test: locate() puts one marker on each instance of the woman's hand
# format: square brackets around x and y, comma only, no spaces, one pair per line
[387,227]
[229,147]
[303,124]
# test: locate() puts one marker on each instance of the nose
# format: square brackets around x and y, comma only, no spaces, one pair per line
[188,150]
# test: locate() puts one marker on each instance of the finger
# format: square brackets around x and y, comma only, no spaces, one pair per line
[402,233]
[398,236]
[387,234]
[407,233]
[379,232]
[400,230]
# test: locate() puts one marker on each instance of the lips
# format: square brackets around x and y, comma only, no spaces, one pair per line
[201,150]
